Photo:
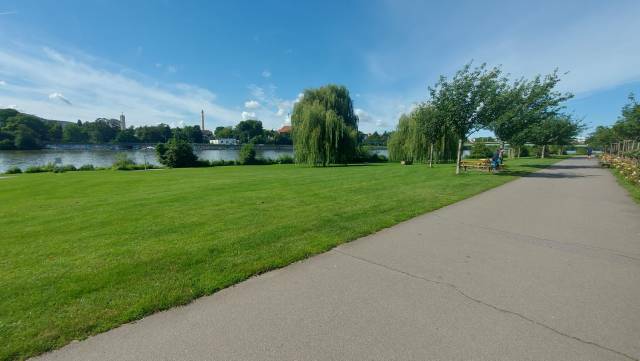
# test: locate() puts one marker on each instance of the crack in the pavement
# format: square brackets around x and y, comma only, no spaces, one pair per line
[479,301]
[566,243]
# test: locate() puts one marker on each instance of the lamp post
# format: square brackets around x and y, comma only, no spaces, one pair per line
[144,155]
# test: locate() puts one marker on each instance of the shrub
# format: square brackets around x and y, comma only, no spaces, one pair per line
[247,154]
[13,170]
[176,153]
[480,150]
[202,163]
[86,167]
[35,169]
[49,167]
[123,162]
[284,159]
[581,150]
[524,151]
[68,168]
[219,163]
[363,155]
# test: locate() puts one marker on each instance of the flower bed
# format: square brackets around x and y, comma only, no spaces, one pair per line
[628,165]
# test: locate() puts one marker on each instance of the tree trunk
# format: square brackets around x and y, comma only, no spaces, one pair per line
[543,149]
[431,156]
[459,157]
[443,147]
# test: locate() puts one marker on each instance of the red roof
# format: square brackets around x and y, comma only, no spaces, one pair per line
[285,129]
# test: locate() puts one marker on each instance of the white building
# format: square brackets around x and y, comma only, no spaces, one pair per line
[224,141]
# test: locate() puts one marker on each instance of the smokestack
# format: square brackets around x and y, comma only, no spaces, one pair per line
[202,119]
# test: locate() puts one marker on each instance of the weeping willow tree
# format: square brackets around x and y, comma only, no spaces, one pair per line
[398,145]
[325,127]
[421,137]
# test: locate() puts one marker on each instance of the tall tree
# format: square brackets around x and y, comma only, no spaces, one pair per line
[557,130]
[601,137]
[224,132]
[74,133]
[468,102]
[248,130]
[399,143]
[525,104]
[430,127]
[627,127]
[325,127]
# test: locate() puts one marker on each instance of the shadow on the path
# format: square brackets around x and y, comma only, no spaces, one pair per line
[555,166]
[527,174]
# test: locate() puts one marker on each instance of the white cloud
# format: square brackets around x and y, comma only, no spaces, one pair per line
[273,110]
[252,104]
[8,12]
[98,89]
[266,74]
[2,83]
[367,120]
[257,91]
[167,68]
[60,97]
[248,115]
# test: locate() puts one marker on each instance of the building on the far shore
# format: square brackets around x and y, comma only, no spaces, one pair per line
[224,141]
[123,124]
[285,129]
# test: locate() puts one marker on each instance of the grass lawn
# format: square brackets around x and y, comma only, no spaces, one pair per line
[83,252]
[633,189]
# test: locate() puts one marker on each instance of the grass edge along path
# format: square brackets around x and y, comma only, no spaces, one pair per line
[632,189]
[84,252]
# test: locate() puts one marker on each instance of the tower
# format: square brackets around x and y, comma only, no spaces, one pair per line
[202,119]
[123,125]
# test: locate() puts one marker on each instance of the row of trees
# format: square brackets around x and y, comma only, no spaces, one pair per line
[484,98]
[252,131]
[374,139]
[25,131]
[626,127]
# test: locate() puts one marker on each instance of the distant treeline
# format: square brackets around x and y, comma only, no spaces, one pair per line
[25,131]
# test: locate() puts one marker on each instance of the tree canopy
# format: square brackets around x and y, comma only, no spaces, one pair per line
[626,127]
[484,98]
[557,130]
[325,127]
[526,103]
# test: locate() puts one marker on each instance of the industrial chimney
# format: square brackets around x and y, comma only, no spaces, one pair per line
[202,119]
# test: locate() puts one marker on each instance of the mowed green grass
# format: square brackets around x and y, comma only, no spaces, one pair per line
[633,189]
[83,252]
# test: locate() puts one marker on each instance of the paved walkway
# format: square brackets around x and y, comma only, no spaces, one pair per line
[544,268]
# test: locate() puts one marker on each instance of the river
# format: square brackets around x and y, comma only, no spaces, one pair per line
[106,157]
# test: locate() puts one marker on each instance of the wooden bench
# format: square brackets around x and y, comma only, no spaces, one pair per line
[482,164]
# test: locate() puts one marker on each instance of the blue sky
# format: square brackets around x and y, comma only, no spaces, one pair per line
[163,61]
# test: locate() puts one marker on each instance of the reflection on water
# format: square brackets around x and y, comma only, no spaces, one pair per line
[105,158]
